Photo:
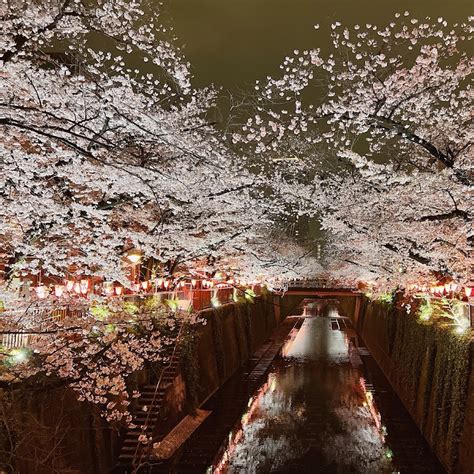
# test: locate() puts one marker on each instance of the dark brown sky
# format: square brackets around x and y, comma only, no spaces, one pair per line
[234,42]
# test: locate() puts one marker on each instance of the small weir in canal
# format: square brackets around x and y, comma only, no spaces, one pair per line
[323,407]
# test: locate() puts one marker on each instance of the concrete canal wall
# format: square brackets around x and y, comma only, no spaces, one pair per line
[431,369]
[231,334]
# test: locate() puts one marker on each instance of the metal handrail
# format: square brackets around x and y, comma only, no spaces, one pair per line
[145,425]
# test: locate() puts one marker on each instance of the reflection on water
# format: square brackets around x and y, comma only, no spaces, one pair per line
[313,413]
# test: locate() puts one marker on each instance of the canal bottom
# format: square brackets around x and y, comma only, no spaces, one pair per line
[323,407]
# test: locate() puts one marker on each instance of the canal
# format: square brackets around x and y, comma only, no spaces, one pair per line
[323,407]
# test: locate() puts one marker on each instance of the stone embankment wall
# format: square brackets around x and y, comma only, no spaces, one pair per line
[231,334]
[431,369]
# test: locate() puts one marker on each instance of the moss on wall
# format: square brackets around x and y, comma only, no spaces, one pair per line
[231,333]
[429,366]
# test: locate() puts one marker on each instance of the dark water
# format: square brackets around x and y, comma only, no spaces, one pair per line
[321,410]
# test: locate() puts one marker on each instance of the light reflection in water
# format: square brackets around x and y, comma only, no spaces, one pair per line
[314,413]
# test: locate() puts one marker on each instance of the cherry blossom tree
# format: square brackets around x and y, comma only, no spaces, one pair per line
[99,158]
[377,135]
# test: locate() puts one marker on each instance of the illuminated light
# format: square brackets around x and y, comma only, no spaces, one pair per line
[215,302]
[58,290]
[40,292]
[166,284]
[460,330]
[108,288]
[468,291]
[230,281]
[181,284]
[118,290]
[194,283]
[19,356]
[77,288]
[145,285]
[84,286]
[453,287]
[134,256]
[69,285]
[204,283]
[159,282]
[211,284]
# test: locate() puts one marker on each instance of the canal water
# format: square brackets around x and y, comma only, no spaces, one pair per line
[324,407]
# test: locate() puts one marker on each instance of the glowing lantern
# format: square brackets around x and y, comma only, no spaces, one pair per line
[84,286]
[108,288]
[40,291]
[77,288]
[145,285]
[118,290]
[58,290]
[468,291]
[193,283]
[166,284]
[69,285]
[134,256]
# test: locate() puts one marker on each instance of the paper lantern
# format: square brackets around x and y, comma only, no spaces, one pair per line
[40,291]
[84,286]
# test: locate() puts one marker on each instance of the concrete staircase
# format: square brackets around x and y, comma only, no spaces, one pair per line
[146,417]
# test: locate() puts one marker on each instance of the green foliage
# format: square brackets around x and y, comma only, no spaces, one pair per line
[250,295]
[443,311]
[425,310]
[215,302]
[173,304]
[130,308]
[101,312]
[153,302]
[386,298]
